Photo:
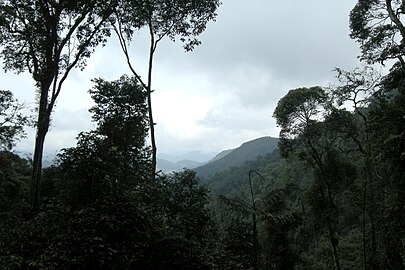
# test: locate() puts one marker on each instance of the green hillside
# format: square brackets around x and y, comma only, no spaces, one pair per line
[248,151]
[235,179]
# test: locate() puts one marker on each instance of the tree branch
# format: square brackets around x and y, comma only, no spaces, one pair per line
[395,19]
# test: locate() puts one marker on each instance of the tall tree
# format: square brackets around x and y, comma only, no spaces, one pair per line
[358,88]
[113,156]
[121,116]
[48,39]
[379,28]
[306,118]
[184,19]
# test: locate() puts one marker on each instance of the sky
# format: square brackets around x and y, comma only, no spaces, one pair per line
[224,92]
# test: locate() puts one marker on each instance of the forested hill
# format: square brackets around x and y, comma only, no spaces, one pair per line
[235,180]
[248,151]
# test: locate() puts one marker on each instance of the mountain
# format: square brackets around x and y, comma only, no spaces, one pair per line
[169,166]
[197,156]
[220,155]
[236,179]
[248,151]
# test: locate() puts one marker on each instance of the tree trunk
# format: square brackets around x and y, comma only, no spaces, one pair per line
[364,223]
[334,244]
[152,49]
[329,202]
[375,261]
[42,130]
[152,137]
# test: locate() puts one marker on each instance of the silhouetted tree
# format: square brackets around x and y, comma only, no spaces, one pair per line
[174,19]
[48,39]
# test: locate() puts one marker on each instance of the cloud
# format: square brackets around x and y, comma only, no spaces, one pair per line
[224,92]
[179,113]
[259,49]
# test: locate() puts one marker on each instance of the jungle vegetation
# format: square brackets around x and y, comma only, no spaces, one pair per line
[331,197]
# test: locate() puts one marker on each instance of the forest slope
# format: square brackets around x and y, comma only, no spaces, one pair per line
[248,151]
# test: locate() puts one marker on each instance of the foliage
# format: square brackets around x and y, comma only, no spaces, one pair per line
[113,156]
[277,217]
[183,19]
[14,179]
[12,120]
[378,27]
[187,237]
[48,39]
[234,179]
[297,109]
[160,225]
[247,152]
[335,200]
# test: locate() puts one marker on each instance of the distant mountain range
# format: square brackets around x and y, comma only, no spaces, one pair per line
[169,166]
[190,160]
[207,167]
[248,151]
[198,156]
[205,164]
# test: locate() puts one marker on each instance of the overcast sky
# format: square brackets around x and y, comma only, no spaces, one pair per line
[225,91]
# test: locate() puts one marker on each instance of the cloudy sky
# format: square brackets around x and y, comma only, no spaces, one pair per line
[224,92]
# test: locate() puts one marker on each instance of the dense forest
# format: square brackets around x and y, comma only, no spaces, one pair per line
[332,196]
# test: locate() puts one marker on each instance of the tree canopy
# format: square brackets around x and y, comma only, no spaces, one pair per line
[48,39]
[378,27]
[298,108]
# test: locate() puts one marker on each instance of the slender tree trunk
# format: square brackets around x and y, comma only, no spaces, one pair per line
[374,255]
[37,168]
[152,137]
[42,129]
[149,96]
[364,223]
[328,200]
[334,244]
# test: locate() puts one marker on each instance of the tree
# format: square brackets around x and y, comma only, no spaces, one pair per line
[313,126]
[297,109]
[121,116]
[359,88]
[113,156]
[255,227]
[48,39]
[378,27]
[14,180]
[280,217]
[185,19]
[187,234]
[387,144]
[12,120]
